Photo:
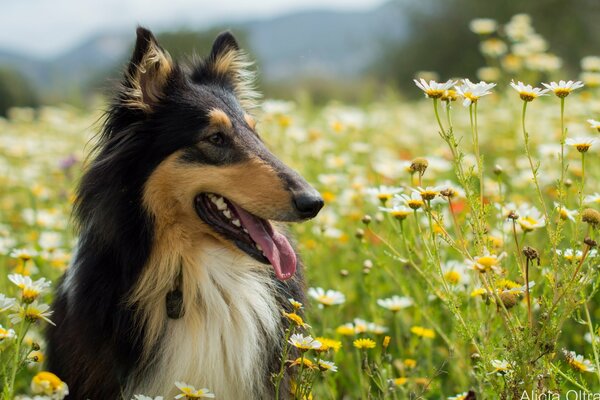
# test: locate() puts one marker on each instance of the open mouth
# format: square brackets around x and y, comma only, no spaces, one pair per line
[251,234]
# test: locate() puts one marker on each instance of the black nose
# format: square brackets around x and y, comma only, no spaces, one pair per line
[308,204]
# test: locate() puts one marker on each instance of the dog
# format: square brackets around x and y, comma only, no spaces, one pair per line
[182,267]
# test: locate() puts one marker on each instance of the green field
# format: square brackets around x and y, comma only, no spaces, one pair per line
[493,257]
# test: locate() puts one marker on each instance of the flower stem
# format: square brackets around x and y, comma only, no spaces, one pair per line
[593,335]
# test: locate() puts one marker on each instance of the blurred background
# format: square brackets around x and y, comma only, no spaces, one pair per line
[68,51]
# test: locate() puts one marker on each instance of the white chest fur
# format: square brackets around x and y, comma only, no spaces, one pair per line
[221,341]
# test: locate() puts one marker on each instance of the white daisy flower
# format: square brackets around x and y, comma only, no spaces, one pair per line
[564,213]
[6,334]
[383,193]
[30,290]
[472,92]
[528,92]
[327,366]
[433,89]
[592,199]
[501,367]
[594,124]
[562,88]
[395,303]
[483,26]
[327,298]
[582,144]
[31,313]
[578,362]
[190,392]
[530,218]
[486,262]
[6,302]
[304,343]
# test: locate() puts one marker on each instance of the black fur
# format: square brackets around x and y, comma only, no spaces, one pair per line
[95,346]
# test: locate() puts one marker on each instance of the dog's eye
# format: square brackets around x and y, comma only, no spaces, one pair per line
[217,139]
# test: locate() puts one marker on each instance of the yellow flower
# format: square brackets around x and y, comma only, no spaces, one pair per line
[36,356]
[296,304]
[423,332]
[307,363]
[329,344]
[295,318]
[345,330]
[189,392]
[364,343]
[400,381]
[410,363]
[47,383]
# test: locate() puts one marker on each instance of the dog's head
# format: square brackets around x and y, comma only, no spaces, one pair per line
[213,171]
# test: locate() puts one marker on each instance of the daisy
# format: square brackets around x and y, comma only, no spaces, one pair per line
[570,254]
[383,193]
[327,366]
[398,210]
[578,362]
[455,272]
[49,384]
[190,392]
[486,262]
[592,199]
[460,396]
[328,344]
[29,290]
[528,92]
[296,304]
[472,92]
[302,360]
[563,89]
[327,298]
[428,193]
[582,144]
[363,343]
[530,218]
[296,319]
[6,334]
[6,302]
[414,201]
[501,367]
[433,89]
[564,213]
[304,343]
[23,254]
[142,397]
[31,313]
[594,124]
[483,26]
[395,303]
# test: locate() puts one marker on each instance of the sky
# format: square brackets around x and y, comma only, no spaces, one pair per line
[46,28]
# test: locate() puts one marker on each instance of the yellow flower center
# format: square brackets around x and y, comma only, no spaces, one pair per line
[562,92]
[583,147]
[471,97]
[434,93]
[527,96]
[452,277]
[45,378]
[487,261]
[415,204]
[400,214]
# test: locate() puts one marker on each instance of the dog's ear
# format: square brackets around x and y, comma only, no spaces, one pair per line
[147,73]
[228,61]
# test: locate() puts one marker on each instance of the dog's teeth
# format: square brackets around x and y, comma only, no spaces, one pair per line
[258,247]
[245,230]
[227,213]
[236,222]
[221,205]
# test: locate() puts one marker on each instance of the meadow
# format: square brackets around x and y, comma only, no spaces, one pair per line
[457,251]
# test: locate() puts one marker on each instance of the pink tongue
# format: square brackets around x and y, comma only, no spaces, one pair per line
[275,246]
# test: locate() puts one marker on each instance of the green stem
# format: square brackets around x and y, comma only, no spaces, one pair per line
[279,376]
[593,335]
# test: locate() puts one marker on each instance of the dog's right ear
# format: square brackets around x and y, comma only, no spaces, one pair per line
[147,73]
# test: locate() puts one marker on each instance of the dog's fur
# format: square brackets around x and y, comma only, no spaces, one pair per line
[139,235]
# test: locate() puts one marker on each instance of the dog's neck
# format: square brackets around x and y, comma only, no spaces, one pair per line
[230,317]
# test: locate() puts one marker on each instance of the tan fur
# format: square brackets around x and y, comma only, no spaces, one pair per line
[218,117]
[250,121]
[236,65]
[149,78]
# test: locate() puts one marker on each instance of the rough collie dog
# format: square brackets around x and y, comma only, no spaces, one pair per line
[180,273]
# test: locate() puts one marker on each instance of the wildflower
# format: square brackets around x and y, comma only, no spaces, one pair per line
[483,26]
[528,92]
[419,165]
[304,343]
[32,313]
[296,319]
[428,193]
[582,144]
[530,219]
[592,198]
[383,193]
[591,216]
[49,384]
[398,211]
[329,344]
[578,362]
[142,397]
[487,262]
[460,396]
[29,290]
[23,254]
[570,254]
[564,213]
[296,304]
[400,381]
[364,344]
[455,272]
[501,367]
[327,366]
[493,47]
[6,334]
[327,298]
[395,303]
[303,360]
[563,89]
[472,92]
[594,124]
[376,329]
[190,392]
[6,302]
[36,356]
[449,95]
[423,332]
[409,363]
[386,342]
[433,89]
[414,201]
[345,330]
[590,63]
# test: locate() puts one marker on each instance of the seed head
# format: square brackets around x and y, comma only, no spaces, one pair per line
[590,242]
[498,169]
[366,219]
[509,299]
[360,233]
[513,215]
[419,165]
[531,254]
[568,183]
[591,216]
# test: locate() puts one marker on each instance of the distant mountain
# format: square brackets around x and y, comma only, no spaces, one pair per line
[315,43]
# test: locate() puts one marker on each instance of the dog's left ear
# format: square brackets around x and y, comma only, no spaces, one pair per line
[147,73]
[228,61]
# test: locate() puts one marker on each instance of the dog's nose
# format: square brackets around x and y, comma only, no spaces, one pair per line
[308,204]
